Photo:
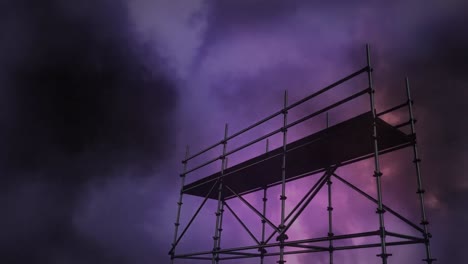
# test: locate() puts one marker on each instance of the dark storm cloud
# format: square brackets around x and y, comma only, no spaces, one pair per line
[81,85]
[226,17]
[82,100]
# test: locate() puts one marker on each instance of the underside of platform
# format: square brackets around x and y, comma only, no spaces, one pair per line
[342,143]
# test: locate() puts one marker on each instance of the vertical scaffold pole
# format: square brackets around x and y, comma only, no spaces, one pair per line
[265,199]
[377,172]
[220,229]
[263,250]
[282,237]
[330,210]
[179,203]
[420,190]
[220,210]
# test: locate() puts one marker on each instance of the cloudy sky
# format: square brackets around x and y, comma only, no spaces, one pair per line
[99,98]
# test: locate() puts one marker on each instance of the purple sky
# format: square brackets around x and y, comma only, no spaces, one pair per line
[98,100]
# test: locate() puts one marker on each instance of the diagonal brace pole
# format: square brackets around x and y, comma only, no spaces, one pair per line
[242,223]
[306,203]
[193,217]
[252,208]
[298,204]
[375,201]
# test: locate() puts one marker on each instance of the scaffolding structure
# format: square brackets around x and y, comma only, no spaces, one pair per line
[365,136]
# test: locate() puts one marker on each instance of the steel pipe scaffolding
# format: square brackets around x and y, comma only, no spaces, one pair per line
[366,136]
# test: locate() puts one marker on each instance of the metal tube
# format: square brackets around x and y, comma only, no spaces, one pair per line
[398,243]
[242,253]
[179,205]
[220,230]
[203,165]
[305,99]
[199,258]
[309,246]
[420,190]
[265,199]
[231,172]
[299,204]
[270,156]
[306,203]
[288,243]
[203,151]
[193,217]
[347,99]
[312,250]
[330,209]
[254,141]
[242,223]
[402,124]
[252,208]
[219,211]
[283,197]
[330,219]
[305,196]
[392,109]
[388,209]
[327,120]
[354,96]
[377,172]
[253,190]
[381,152]
[405,236]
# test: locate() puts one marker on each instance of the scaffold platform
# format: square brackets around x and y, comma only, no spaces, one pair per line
[343,143]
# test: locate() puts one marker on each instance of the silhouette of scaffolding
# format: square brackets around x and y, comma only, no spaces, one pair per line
[365,136]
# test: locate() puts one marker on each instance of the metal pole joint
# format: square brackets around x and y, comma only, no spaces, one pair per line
[282,237]
[380,211]
[420,191]
[378,174]
[384,256]
[382,232]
